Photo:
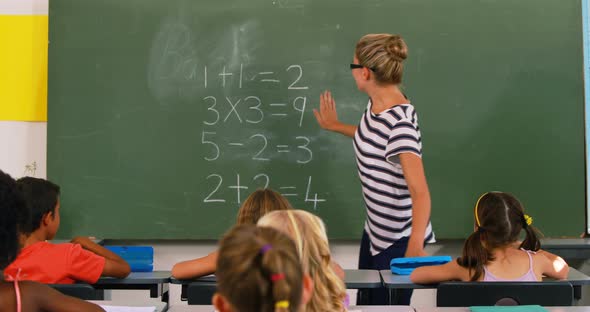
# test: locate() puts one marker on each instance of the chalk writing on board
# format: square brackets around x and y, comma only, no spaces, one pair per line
[226,77]
[261,144]
[250,109]
[30,169]
[257,112]
[241,188]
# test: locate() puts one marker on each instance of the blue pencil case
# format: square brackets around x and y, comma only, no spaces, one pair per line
[140,258]
[405,266]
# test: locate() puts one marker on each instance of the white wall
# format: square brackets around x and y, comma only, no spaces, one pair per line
[24,146]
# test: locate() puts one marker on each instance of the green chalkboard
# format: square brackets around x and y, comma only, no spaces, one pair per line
[165,114]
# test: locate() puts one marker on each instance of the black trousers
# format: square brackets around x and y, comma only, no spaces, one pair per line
[380,296]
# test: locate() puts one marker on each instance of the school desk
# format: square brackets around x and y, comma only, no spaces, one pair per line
[466,309]
[354,279]
[206,287]
[357,279]
[390,280]
[118,306]
[567,248]
[156,282]
[209,308]
[393,281]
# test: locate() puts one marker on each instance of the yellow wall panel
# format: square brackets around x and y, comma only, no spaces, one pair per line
[23,67]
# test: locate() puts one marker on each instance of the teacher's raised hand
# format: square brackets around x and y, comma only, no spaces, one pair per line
[327,116]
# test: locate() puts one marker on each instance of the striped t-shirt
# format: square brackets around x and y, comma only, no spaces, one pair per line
[378,141]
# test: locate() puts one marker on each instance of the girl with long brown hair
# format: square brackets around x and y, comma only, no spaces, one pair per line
[493,251]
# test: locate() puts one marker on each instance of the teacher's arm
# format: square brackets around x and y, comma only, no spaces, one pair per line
[416,179]
[327,116]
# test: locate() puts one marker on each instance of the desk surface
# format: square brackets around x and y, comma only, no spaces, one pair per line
[550,309]
[559,243]
[155,277]
[354,279]
[390,280]
[568,248]
[207,279]
[209,308]
[160,306]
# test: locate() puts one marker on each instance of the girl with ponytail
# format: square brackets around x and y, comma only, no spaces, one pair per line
[254,207]
[258,270]
[493,251]
[311,241]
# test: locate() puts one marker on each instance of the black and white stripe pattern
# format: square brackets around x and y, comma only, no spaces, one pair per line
[378,141]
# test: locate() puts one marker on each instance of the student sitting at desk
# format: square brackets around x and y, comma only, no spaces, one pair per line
[493,253]
[259,203]
[41,261]
[25,296]
[259,270]
[309,234]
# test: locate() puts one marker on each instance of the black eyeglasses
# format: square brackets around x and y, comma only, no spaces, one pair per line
[354,66]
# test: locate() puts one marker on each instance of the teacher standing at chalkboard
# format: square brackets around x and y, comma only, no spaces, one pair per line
[388,150]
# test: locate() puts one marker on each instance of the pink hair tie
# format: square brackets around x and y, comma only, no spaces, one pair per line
[277,277]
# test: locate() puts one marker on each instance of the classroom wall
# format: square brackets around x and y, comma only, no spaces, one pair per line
[24,147]
[23,87]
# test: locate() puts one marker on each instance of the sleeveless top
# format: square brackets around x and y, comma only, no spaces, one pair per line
[529,276]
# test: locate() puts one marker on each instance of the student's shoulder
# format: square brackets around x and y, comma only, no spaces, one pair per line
[539,259]
[43,248]
[540,263]
[68,251]
[60,247]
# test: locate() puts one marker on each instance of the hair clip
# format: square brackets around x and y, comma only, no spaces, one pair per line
[282,304]
[265,248]
[528,220]
[277,277]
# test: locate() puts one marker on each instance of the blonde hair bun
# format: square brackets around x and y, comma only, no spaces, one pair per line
[384,54]
[397,48]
